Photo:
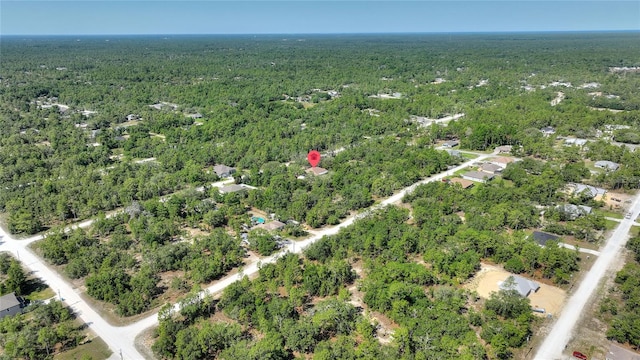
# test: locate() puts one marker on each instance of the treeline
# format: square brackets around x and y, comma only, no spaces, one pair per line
[620,307]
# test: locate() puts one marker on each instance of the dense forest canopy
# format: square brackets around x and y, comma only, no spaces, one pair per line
[137,124]
[61,163]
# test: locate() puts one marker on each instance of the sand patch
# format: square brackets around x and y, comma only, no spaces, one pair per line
[488,278]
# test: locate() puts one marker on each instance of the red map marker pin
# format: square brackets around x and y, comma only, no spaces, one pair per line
[313,157]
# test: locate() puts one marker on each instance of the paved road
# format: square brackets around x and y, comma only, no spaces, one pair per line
[121,340]
[555,342]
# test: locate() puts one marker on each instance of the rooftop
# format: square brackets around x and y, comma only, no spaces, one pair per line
[521,285]
[8,301]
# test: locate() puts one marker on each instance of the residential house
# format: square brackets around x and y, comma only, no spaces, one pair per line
[450,143]
[195,116]
[132,117]
[224,171]
[232,188]
[541,238]
[9,305]
[491,168]
[607,165]
[504,149]
[523,286]
[502,161]
[271,226]
[592,191]
[317,171]
[575,141]
[478,176]
[463,182]
[547,131]
[573,212]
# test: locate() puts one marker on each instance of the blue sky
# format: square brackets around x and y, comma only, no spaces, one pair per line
[26,17]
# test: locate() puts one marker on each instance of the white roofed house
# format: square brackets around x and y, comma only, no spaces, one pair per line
[575,141]
[502,161]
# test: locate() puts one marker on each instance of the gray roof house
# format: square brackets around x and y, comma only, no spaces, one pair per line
[607,165]
[9,305]
[491,168]
[224,171]
[574,211]
[521,285]
[450,143]
[478,176]
[588,189]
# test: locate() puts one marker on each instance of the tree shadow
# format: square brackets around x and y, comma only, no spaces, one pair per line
[34,285]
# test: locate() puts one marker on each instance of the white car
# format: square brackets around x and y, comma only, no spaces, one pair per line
[628,216]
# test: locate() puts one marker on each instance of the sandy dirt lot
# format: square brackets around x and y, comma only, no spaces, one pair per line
[487,279]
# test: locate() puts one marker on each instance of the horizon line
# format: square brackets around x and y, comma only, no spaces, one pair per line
[339,33]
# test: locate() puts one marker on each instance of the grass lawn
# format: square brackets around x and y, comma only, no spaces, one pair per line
[43,294]
[610,224]
[635,230]
[468,156]
[609,213]
[95,349]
